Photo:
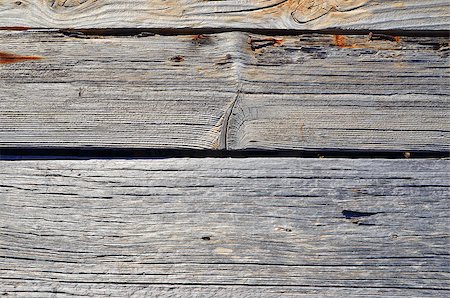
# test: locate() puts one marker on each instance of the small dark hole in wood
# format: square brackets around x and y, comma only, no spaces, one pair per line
[178,58]
[18,3]
[206,238]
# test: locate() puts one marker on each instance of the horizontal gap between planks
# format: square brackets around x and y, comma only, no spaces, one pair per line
[195,31]
[146,153]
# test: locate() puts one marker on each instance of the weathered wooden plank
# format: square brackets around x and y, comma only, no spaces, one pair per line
[229,91]
[248,14]
[343,92]
[161,92]
[227,227]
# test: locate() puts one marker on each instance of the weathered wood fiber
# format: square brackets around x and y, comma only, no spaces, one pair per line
[225,228]
[248,14]
[343,92]
[231,90]
[161,92]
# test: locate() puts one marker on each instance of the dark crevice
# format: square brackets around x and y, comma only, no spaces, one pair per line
[28,153]
[236,284]
[249,9]
[143,32]
[349,214]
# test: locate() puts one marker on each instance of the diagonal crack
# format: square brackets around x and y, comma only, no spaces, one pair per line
[223,143]
[250,9]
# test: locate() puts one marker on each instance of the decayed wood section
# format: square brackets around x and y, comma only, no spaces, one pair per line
[224,91]
[249,14]
[225,227]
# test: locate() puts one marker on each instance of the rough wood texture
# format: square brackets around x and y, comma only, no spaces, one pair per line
[344,92]
[247,14]
[115,92]
[229,91]
[225,227]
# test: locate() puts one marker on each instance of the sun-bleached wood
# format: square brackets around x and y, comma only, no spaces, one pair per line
[159,92]
[343,92]
[224,91]
[225,227]
[247,14]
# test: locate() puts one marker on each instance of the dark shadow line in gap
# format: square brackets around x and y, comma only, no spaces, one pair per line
[143,32]
[28,153]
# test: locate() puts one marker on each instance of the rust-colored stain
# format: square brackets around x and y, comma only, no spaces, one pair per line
[340,41]
[15,28]
[6,58]
[198,37]
[373,41]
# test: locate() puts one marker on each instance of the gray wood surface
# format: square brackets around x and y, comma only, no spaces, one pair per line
[247,14]
[224,91]
[225,227]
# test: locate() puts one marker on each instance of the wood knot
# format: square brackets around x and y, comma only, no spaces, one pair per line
[55,4]
[304,11]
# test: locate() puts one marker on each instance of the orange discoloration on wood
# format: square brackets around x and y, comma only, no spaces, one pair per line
[6,58]
[339,40]
[15,28]
[198,37]
[374,41]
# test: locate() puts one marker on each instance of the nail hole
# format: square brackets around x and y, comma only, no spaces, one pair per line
[178,58]
[206,238]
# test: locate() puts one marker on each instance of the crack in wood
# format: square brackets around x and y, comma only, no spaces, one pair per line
[223,139]
[310,10]
[251,9]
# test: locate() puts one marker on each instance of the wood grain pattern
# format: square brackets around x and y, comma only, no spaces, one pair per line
[247,14]
[225,227]
[159,92]
[343,92]
[225,91]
